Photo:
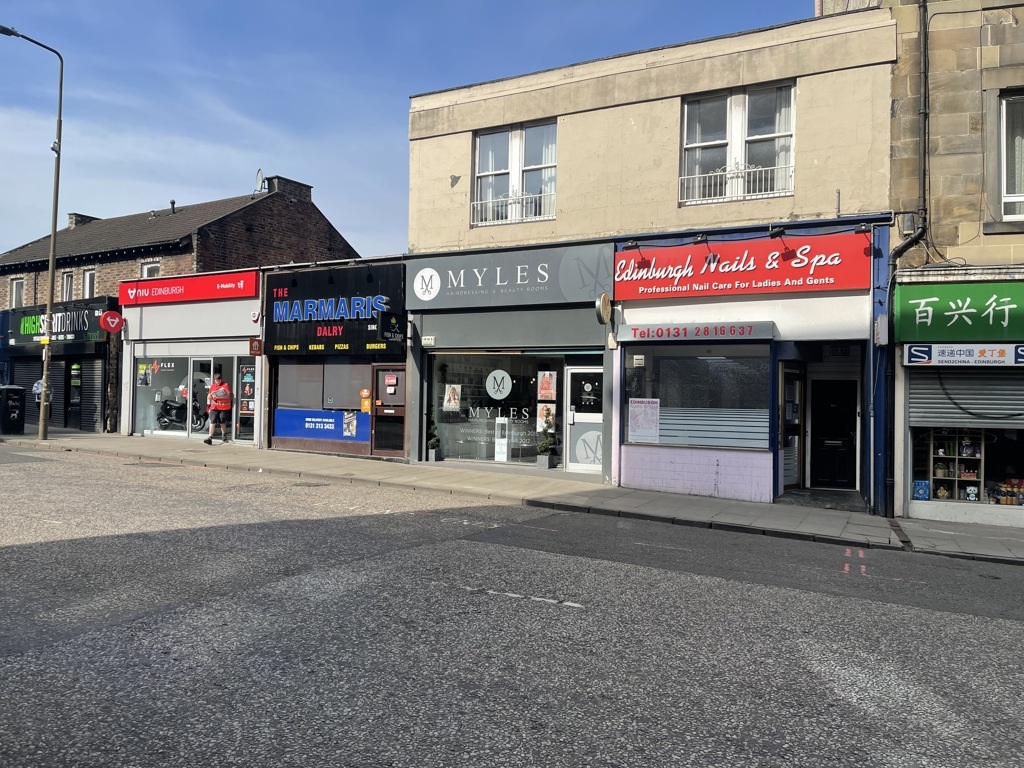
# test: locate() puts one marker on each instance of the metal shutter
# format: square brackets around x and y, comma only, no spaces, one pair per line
[57,393]
[27,371]
[93,391]
[993,398]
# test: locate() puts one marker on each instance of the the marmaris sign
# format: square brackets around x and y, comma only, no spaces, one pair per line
[793,263]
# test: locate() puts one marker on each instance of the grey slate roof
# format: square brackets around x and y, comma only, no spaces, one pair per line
[137,230]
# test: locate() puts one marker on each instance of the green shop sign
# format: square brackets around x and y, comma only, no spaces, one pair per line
[985,311]
[73,322]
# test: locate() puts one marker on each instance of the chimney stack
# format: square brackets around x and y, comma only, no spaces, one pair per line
[76,219]
[293,189]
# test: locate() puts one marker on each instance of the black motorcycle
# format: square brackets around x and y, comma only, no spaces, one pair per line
[172,412]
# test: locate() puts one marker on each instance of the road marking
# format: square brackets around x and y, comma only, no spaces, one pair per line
[517,596]
[476,523]
[830,570]
[661,546]
[860,554]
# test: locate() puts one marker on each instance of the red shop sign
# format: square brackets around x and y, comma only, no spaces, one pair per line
[173,290]
[789,264]
[111,321]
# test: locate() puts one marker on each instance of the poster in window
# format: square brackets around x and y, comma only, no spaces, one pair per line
[547,385]
[349,424]
[643,419]
[545,411]
[452,397]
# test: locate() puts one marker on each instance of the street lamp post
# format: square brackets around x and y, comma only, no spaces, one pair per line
[44,405]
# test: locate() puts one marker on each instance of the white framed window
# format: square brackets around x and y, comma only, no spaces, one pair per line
[88,283]
[515,174]
[152,269]
[738,145]
[17,292]
[67,286]
[1013,157]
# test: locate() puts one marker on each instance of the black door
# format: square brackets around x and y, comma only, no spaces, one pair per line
[834,433]
[387,427]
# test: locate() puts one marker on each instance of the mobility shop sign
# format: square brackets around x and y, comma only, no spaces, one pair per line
[173,290]
[332,311]
[570,274]
[788,264]
[73,322]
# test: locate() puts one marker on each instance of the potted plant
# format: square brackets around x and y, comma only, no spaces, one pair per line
[433,442]
[546,443]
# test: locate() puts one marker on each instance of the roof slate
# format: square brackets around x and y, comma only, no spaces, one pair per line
[137,230]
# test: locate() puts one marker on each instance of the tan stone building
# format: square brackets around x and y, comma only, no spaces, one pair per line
[725,203]
[958,190]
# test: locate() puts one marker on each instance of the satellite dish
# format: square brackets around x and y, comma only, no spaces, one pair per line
[260,182]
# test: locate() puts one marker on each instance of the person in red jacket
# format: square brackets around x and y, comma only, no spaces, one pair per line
[219,398]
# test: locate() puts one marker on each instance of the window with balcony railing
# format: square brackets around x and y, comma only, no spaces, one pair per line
[738,146]
[515,175]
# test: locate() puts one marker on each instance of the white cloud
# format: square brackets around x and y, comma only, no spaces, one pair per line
[107,169]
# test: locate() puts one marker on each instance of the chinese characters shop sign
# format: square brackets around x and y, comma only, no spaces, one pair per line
[954,312]
[789,264]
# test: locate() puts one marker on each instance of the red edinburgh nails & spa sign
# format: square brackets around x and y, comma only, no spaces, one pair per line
[789,264]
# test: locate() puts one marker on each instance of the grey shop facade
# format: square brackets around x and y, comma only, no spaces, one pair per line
[505,342]
[335,337]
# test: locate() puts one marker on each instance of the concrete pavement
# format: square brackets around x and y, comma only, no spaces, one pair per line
[563,491]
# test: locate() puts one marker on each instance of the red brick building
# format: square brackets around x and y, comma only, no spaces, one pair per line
[278,225]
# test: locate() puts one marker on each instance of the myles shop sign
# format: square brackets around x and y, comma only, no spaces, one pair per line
[790,264]
[173,290]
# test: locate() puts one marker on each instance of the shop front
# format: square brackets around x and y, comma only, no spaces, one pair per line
[508,361]
[83,360]
[179,332]
[336,340]
[746,364]
[960,397]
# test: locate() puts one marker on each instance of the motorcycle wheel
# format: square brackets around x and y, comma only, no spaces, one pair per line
[163,421]
[198,422]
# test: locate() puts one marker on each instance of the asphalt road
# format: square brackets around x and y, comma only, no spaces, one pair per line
[158,615]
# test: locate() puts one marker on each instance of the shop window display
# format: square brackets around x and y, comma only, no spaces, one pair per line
[160,399]
[487,406]
[974,466]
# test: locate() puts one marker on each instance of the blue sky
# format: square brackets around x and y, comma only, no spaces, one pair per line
[187,99]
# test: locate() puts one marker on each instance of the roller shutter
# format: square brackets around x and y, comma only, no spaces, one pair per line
[58,393]
[944,398]
[93,391]
[26,373]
